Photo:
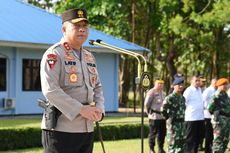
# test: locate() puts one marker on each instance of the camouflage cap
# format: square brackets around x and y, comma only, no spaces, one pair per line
[74,15]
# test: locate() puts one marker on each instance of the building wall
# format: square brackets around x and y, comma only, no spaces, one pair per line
[26,101]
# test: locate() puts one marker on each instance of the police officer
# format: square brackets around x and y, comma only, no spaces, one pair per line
[220,108]
[70,82]
[157,124]
[174,109]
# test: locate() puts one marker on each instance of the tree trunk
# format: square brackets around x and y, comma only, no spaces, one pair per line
[124,81]
[170,58]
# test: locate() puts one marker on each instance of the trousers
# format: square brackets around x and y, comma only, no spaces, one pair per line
[157,128]
[62,142]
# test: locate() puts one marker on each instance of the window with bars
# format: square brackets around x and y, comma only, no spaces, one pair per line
[31,75]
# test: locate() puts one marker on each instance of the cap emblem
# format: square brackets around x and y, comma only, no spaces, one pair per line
[80,14]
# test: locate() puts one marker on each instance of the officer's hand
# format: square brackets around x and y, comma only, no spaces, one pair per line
[90,112]
[99,116]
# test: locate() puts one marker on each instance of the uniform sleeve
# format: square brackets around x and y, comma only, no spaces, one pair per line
[186,95]
[98,91]
[226,105]
[212,105]
[98,95]
[165,107]
[205,97]
[148,100]
[50,77]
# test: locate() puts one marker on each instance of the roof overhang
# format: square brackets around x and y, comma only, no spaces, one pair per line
[96,49]
[24,45]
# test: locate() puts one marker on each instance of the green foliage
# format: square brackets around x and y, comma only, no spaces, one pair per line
[109,16]
[20,138]
[188,36]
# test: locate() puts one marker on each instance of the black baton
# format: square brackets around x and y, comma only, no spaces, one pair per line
[100,136]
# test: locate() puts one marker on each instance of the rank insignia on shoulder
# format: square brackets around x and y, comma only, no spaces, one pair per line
[51,59]
[66,45]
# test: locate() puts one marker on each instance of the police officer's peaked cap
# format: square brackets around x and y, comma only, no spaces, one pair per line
[74,15]
[178,81]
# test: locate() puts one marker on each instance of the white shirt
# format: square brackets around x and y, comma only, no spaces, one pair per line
[194,104]
[228,92]
[207,95]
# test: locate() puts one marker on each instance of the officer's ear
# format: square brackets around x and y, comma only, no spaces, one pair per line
[64,27]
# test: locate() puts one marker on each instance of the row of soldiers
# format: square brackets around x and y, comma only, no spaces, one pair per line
[182,115]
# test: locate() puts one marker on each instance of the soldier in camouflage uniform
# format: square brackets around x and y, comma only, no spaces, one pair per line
[219,107]
[174,109]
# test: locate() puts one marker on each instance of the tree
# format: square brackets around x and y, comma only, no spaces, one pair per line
[187,36]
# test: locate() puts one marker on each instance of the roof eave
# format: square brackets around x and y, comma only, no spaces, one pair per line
[23,45]
[45,46]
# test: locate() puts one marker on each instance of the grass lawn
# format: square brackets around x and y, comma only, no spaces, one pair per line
[122,146]
[18,122]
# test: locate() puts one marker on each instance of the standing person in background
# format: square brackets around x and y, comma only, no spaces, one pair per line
[220,108]
[176,76]
[70,82]
[207,95]
[202,83]
[173,109]
[228,92]
[202,135]
[157,125]
[194,115]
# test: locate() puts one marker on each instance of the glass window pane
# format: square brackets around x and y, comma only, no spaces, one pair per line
[2,74]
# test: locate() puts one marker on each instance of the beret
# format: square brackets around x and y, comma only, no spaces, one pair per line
[221,81]
[178,81]
[74,15]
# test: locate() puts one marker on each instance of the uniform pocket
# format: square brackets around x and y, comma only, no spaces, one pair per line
[73,76]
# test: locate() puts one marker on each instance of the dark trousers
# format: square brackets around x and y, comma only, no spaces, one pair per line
[157,128]
[193,131]
[202,136]
[208,136]
[62,142]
